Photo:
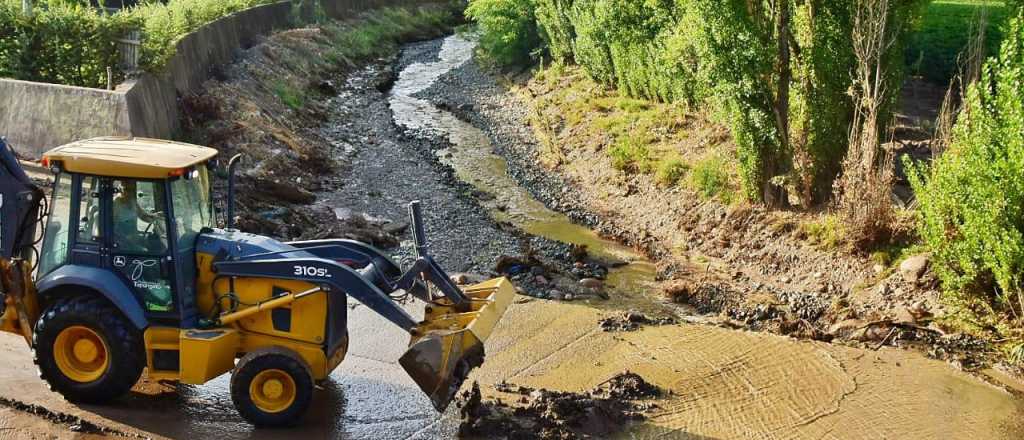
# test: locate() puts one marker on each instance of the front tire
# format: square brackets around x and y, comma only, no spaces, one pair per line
[87,351]
[271,388]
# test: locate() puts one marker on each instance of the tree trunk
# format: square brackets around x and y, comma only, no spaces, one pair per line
[785,77]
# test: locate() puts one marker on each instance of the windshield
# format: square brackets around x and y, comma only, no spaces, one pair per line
[193,209]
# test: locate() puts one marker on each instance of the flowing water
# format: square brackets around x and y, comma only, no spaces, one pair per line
[473,158]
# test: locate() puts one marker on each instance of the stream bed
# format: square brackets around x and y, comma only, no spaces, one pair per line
[472,157]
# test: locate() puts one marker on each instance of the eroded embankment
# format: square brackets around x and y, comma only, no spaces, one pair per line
[746,266]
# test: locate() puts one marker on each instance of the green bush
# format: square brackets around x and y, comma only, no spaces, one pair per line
[291,96]
[62,42]
[508,29]
[164,24]
[944,33]
[670,171]
[972,198]
[710,178]
[631,155]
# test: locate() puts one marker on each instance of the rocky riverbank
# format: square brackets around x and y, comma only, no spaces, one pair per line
[738,265]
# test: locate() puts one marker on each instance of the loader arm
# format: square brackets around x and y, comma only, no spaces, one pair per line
[19,213]
[338,278]
[443,348]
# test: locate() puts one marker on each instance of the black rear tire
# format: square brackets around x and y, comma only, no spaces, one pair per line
[121,344]
[282,366]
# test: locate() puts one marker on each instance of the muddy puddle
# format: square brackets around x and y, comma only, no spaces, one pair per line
[474,161]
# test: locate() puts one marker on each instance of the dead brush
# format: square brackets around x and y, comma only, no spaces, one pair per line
[863,191]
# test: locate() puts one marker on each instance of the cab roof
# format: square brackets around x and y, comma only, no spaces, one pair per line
[139,158]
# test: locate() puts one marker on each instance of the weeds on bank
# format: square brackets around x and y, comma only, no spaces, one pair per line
[710,178]
[631,155]
[569,110]
[381,31]
[825,231]
[290,95]
[671,171]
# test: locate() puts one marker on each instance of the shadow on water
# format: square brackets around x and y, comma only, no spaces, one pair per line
[206,411]
[474,161]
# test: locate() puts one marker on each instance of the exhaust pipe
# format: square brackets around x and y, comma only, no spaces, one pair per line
[232,164]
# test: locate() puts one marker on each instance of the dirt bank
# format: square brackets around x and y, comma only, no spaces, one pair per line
[749,267]
[270,108]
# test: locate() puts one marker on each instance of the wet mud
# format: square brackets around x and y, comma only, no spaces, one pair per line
[524,413]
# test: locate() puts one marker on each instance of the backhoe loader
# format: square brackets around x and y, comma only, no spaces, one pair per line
[129,274]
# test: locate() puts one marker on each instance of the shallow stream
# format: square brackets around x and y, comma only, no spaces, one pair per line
[474,161]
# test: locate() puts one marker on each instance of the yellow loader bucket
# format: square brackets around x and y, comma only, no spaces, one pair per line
[448,344]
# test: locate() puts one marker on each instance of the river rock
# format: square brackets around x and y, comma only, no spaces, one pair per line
[913,269]
[540,279]
[556,294]
[591,283]
[846,328]
[395,228]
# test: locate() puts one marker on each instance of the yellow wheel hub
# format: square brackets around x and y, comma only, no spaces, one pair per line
[272,391]
[81,354]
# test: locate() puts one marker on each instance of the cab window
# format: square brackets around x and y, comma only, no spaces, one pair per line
[58,233]
[89,218]
[193,211]
[140,220]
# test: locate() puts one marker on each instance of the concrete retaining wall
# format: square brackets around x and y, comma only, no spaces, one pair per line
[37,116]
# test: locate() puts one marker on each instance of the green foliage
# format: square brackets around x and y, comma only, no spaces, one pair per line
[945,31]
[61,42]
[290,95]
[645,48]
[710,178]
[68,42]
[1015,353]
[740,50]
[166,23]
[972,198]
[508,29]
[726,53]
[380,32]
[826,232]
[670,171]
[821,110]
[631,155]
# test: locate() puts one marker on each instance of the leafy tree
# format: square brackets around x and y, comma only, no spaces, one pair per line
[508,29]
[972,198]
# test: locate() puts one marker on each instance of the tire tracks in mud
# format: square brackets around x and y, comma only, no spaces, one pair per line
[71,422]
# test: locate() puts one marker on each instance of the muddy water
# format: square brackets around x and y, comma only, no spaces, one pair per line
[474,161]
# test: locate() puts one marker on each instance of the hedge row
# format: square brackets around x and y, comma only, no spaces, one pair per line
[69,42]
[60,43]
[719,52]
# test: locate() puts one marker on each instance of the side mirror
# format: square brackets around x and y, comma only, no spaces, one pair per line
[232,164]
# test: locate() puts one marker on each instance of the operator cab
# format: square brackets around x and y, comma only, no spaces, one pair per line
[133,207]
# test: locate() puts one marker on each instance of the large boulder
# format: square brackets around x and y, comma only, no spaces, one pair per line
[913,269]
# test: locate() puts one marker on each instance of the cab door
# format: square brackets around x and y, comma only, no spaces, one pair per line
[88,248]
[138,241]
